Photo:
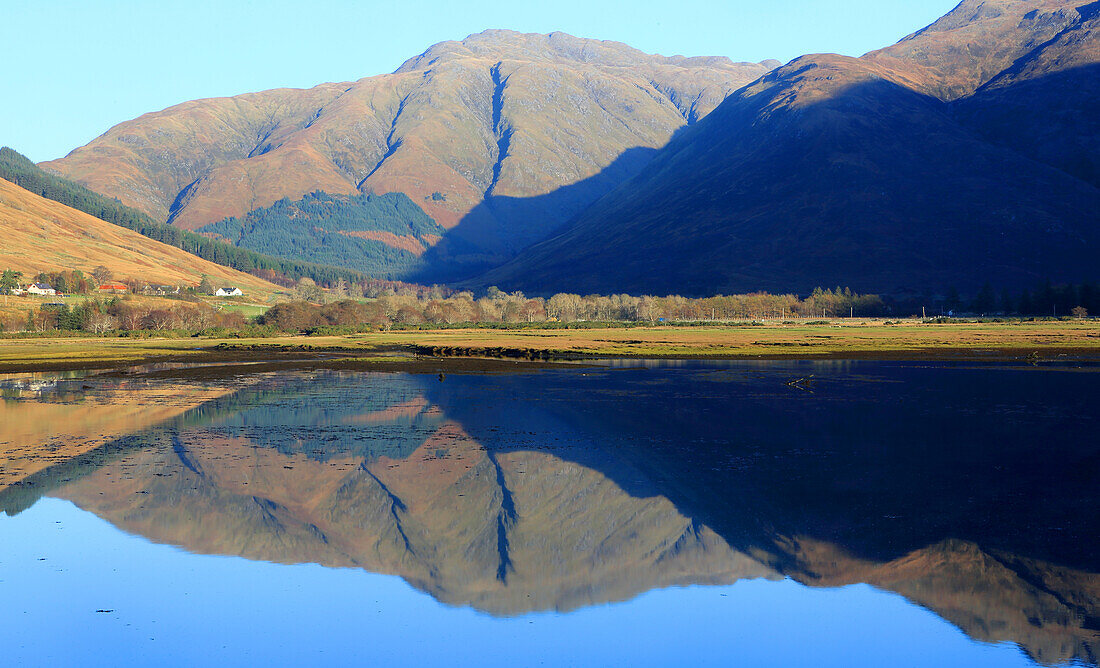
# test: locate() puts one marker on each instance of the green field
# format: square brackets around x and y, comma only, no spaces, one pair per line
[249,310]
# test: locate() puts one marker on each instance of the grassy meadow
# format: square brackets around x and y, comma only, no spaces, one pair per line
[873,339]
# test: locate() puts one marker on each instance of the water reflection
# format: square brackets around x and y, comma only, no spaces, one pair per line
[969,491]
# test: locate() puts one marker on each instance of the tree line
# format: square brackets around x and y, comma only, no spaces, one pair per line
[392,308]
[123,315]
[397,305]
[1047,299]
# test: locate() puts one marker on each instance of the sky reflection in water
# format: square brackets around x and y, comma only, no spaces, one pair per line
[624,517]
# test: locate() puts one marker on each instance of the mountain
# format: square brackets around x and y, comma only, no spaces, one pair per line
[472,131]
[1047,104]
[962,155]
[41,235]
[976,41]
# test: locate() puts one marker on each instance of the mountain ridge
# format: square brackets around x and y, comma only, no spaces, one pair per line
[836,170]
[501,114]
[965,153]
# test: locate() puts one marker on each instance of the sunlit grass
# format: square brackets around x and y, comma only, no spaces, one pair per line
[872,338]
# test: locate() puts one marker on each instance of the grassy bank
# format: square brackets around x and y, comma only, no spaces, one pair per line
[839,339]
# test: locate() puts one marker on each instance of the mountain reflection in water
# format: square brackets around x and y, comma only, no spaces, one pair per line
[968,490]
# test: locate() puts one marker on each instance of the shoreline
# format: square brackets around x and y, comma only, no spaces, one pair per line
[471,350]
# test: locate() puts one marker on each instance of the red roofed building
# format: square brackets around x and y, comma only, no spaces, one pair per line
[113,288]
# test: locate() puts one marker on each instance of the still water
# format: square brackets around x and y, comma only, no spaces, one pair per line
[666,513]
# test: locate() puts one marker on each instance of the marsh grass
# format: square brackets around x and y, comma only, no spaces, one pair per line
[873,339]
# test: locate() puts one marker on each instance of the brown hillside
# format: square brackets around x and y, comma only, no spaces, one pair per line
[975,42]
[41,235]
[500,115]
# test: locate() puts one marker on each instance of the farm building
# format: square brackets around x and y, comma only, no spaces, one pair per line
[40,289]
[229,292]
[162,290]
[113,288]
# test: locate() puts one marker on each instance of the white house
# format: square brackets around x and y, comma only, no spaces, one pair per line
[40,289]
[229,292]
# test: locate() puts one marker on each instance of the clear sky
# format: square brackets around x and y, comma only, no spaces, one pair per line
[75,68]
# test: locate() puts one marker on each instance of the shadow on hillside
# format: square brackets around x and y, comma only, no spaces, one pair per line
[1054,119]
[499,227]
[871,185]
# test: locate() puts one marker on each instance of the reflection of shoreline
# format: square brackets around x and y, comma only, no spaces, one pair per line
[516,501]
[77,418]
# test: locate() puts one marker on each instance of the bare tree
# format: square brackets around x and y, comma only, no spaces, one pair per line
[102,322]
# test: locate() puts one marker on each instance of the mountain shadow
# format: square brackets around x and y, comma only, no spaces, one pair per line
[826,172]
[498,228]
[1053,119]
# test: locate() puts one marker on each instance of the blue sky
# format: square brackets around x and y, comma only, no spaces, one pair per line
[77,68]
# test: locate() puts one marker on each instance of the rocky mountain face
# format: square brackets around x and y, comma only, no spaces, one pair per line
[1047,104]
[964,154]
[470,130]
[977,41]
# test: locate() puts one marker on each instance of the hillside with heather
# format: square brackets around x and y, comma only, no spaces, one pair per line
[43,236]
[19,170]
[474,132]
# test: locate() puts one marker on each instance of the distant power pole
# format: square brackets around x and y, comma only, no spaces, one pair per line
[922,314]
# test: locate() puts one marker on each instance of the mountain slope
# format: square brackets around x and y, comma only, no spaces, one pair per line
[41,235]
[22,172]
[834,170]
[383,235]
[975,42]
[1047,105]
[465,129]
